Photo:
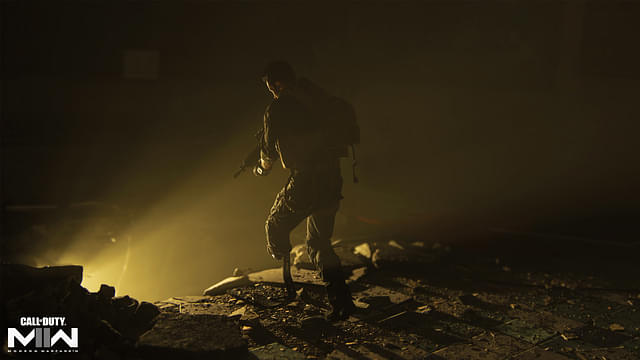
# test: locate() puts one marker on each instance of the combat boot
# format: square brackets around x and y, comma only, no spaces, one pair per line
[340,300]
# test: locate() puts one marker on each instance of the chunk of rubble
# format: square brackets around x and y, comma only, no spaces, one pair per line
[364,250]
[18,279]
[227,284]
[356,274]
[616,327]
[193,337]
[109,322]
[244,313]
[395,244]
[300,257]
[106,291]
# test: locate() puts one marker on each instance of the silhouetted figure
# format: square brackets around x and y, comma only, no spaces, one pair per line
[296,133]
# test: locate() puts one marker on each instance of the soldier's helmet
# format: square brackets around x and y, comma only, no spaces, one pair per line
[279,70]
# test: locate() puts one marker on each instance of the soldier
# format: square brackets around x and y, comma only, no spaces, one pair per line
[293,134]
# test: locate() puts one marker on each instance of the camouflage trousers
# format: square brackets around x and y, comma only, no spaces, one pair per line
[314,196]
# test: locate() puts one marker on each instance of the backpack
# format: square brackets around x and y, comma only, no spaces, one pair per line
[337,119]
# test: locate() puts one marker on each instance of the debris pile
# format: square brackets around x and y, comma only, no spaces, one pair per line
[111,327]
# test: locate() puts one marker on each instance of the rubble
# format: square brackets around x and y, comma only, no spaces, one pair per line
[108,323]
[414,302]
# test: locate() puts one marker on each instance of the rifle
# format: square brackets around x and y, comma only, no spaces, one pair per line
[254,155]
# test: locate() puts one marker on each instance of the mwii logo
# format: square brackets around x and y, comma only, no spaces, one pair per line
[41,339]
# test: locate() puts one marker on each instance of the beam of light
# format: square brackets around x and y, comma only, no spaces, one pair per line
[194,235]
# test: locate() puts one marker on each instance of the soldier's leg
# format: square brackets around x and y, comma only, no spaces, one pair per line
[319,231]
[281,221]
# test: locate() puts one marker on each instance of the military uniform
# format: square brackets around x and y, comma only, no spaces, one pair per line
[293,135]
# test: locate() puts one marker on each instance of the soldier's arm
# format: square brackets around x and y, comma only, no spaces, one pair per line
[268,151]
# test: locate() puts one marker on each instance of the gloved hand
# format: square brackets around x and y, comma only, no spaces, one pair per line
[278,251]
[260,171]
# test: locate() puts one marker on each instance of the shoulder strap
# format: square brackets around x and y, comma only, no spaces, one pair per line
[354,163]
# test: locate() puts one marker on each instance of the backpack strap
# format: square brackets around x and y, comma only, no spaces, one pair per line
[354,163]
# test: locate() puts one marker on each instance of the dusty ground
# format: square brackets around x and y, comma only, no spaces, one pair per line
[525,300]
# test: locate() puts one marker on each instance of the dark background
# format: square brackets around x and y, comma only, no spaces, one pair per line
[504,115]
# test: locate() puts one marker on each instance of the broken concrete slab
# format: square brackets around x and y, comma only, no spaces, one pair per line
[274,276]
[192,337]
[227,284]
[203,308]
[275,351]
[18,279]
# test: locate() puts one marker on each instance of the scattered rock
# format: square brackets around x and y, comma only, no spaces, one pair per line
[227,284]
[356,274]
[616,327]
[363,250]
[395,244]
[244,313]
[361,304]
